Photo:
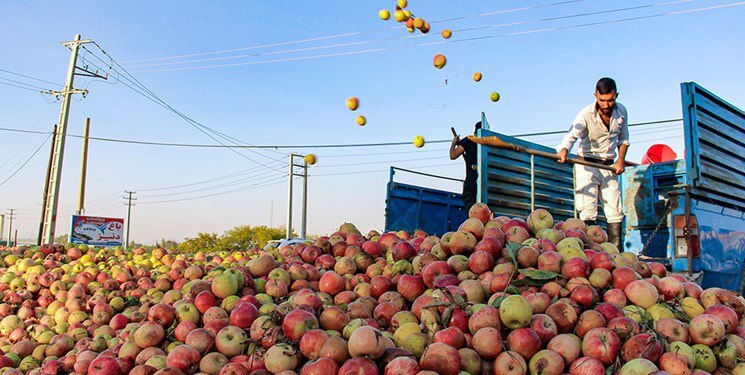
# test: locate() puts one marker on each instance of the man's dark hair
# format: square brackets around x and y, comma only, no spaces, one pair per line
[478,125]
[606,85]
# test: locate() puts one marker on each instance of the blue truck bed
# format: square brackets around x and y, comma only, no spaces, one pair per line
[410,207]
[688,213]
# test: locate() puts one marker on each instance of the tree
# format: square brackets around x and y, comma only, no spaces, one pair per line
[245,237]
[63,239]
[207,242]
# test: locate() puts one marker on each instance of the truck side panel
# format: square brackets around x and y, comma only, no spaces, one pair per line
[411,207]
[514,183]
[714,138]
[722,235]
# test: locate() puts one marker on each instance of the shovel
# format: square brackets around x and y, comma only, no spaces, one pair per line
[494,141]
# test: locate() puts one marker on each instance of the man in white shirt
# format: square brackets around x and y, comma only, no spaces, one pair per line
[602,129]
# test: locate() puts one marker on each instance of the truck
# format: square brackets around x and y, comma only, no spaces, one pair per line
[688,213]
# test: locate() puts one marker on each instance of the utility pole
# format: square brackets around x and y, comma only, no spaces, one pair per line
[292,174]
[2,226]
[289,198]
[46,187]
[129,205]
[84,166]
[304,219]
[10,225]
[49,217]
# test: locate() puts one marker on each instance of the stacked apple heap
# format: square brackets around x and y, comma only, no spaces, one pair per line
[498,296]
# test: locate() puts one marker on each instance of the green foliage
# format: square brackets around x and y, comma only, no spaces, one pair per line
[63,239]
[239,238]
[207,242]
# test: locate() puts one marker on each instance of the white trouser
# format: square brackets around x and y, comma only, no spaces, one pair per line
[587,180]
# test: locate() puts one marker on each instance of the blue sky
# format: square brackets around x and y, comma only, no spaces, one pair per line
[542,56]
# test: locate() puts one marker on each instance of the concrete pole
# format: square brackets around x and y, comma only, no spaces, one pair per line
[51,214]
[129,215]
[304,219]
[46,188]
[84,167]
[2,226]
[289,199]
[10,225]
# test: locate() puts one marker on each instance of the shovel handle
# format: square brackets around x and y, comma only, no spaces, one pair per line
[571,160]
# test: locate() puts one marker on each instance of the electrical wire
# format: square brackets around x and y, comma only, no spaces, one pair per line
[18,86]
[356,33]
[27,160]
[154,98]
[318,146]
[249,187]
[29,77]
[255,178]
[23,83]
[406,37]
[478,38]
[18,146]
[376,162]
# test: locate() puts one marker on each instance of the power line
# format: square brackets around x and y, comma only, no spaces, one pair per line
[20,87]
[26,162]
[154,98]
[18,146]
[343,145]
[23,83]
[249,187]
[255,178]
[406,37]
[29,77]
[478,38]
[315,39]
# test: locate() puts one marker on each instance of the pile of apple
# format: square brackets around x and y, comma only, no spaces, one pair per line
[499,296]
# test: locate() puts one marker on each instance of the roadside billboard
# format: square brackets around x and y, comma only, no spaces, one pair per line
[97,231]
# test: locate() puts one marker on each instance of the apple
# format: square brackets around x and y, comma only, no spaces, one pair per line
[638,366]
[366,341]
[586,366]
[540,219]
[601,343]
[281,357]
[231,341]
[706,329]
[524,341]
[546,362]
[185,358]
[442,358]
[515,312]
[104,366]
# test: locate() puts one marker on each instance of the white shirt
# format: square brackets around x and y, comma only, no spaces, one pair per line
[595,140]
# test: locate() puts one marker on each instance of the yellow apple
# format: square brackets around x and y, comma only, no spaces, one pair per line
[361,120]
[353,103]
[440,61]
[310,159]
[418,141]
[446,33]
[384,14]
[495,96]
[477,77]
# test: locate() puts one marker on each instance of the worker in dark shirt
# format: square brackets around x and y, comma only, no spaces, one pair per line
[467,148]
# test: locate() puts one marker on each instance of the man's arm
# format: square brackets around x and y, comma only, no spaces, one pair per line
[456,150]
[623,146]
[620,165]
[572,135]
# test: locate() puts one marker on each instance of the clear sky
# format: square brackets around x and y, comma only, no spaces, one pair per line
[279,72]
